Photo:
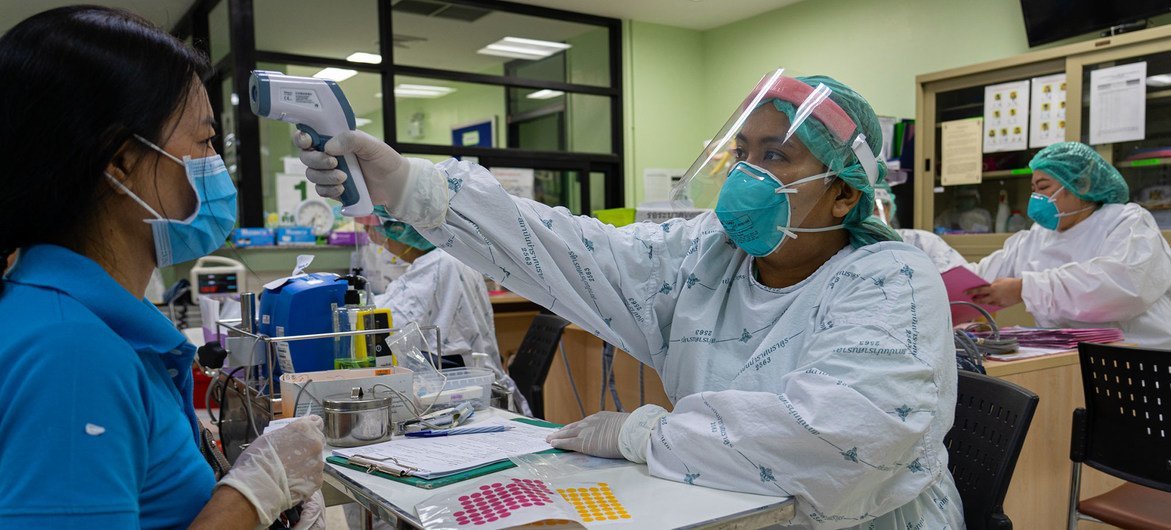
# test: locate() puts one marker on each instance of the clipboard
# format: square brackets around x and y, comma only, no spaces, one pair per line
[388,470]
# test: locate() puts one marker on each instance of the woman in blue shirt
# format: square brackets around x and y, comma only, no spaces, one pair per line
[109,125]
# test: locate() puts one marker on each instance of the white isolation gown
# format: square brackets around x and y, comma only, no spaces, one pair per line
[440,291]
[1111,270]
[837,391]
[942,255]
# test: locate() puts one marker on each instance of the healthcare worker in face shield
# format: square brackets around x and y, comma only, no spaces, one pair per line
[1091,258]
[934,246]
[438,290]
[807,351]
[97,424]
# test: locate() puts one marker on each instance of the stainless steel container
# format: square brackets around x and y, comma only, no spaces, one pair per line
[356,419]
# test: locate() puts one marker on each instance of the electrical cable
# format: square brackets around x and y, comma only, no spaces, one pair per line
[569,374]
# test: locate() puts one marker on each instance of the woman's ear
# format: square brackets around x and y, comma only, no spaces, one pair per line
[845,198]
[118,168]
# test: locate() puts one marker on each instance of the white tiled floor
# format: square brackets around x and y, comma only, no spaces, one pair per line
[335,519]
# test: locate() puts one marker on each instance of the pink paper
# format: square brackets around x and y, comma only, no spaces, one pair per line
[958,280]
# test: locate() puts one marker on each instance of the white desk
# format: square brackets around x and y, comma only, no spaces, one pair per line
[653,502]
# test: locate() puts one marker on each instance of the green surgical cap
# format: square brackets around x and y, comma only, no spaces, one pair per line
[396,230]
[863,227]
[1082,171]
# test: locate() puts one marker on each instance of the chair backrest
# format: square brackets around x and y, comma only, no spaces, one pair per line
[1127,423]
[991,421]
[530,366]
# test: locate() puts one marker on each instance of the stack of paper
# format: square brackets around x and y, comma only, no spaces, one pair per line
[1056,339]
[431,458]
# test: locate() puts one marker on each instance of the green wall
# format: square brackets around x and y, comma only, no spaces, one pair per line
[663,89]
[680,85]
[875,47]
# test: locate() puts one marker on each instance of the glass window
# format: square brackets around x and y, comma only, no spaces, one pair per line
[597,190]
[484,41]
[219,32]
[1143,162]
[439,112]
[227,127]
[280,166]
[309,27]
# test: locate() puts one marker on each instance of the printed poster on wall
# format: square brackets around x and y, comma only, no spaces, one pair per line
[962,158]
[1047,125]
[1006,117]
[1118,104]
[516,181]
[657,183]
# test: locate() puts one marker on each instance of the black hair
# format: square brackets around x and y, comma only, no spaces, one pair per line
[76,83]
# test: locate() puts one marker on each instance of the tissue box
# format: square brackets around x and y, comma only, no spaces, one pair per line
[328,383]
[348,239]
[295,235]
[252,237]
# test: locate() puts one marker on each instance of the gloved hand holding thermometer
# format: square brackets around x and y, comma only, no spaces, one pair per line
[321,111]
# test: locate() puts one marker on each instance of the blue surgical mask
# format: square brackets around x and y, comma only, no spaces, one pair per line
[178,241]
[754,208]
[1043,210]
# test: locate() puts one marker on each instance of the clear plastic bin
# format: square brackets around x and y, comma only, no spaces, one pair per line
[463,384]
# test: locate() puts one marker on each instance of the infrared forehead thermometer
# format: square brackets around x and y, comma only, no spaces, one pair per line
[318,108]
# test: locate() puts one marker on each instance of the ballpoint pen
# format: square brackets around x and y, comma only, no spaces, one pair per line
[453,432]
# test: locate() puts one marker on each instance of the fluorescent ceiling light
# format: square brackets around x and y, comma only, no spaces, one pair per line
[362,122]
[1159,80]
[545,94]
[421,91]
[519,48]
[335,74]
[363,57]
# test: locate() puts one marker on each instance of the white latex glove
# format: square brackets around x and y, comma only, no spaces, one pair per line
[385,170]
[596,435]
[312,513]
[280,469]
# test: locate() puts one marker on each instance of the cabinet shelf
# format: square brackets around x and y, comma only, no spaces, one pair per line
[1145,162]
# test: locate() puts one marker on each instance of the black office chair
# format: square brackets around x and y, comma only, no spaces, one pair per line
[530,366]
[992,419]
[1124,431]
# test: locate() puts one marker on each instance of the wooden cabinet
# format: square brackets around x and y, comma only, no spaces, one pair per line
[959,94]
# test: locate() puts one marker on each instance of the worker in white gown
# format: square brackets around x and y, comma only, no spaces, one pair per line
[438,290]
[1091,259]
[934,246]
[807,352]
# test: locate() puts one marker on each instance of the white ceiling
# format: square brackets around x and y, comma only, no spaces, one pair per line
[692,14]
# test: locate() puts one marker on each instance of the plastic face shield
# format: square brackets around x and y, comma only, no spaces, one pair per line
[882,204]
[766,130]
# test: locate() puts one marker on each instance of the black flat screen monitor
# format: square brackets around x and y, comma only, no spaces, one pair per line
[1052,20]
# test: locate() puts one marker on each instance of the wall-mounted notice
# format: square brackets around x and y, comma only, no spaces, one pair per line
[657,183]
[1118,104]
[516,181]
[1006,117]
[1047,125]
[961,151]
